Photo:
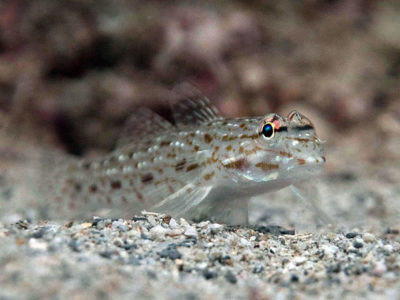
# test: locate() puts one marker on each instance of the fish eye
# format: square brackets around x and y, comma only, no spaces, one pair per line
[268,130]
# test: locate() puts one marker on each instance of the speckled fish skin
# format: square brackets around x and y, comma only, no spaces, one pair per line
[204,167]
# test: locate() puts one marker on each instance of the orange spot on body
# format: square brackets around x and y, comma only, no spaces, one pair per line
[139,195]
[192,167]
[236,164]
[245,136]
[287,154]
[229,138]
[209,176]
[266,166]
[207,138]
[164,143]
[252,151]
[301,161]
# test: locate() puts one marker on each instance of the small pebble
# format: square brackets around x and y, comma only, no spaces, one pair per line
[209,274]
[172,224]
[134,261]
[335,268]
[387,249]
[86,225]
[358,243]
[215,228]
[158,231]
[225,260]
[258,269]
[74,245]
[368,237]
[37,244]
[39,233]
[299,260]
[294,278]
[171,252]
[190,231]
[351,235]
[230,277]
[379,268]
[120,226]
[107,254]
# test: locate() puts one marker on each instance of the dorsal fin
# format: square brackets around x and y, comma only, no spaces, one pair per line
[193,108]
[142,125]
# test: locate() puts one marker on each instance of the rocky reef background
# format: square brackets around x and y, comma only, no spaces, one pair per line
[76,69]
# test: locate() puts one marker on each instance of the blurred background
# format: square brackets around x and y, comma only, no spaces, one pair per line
[71,72]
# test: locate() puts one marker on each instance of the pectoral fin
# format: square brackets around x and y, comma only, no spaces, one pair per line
[183,200]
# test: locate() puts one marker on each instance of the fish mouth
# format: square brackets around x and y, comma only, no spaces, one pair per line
[304,167]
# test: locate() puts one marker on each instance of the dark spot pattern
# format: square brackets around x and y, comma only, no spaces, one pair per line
[115,185]
[207,138]
[164,143]
[180,165]
[287,154]
[93,188]
[192,167]
[77,186]
[147,178]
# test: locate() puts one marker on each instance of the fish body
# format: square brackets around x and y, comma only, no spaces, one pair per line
[203,167]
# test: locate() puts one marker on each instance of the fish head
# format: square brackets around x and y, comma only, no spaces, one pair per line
[285,149]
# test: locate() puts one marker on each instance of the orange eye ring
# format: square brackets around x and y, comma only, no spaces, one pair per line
[268,130]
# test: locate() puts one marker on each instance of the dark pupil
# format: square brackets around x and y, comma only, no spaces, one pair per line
[267,131]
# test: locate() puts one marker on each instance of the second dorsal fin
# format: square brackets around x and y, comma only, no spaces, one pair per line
[142,125]
[193,108]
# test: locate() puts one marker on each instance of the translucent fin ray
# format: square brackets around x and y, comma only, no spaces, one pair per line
[319,215]
[183,200]
[193,108]
[142,125]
